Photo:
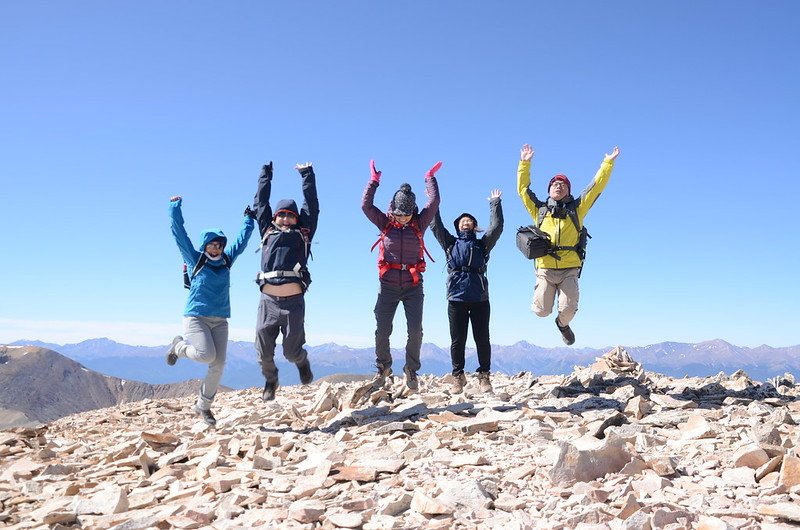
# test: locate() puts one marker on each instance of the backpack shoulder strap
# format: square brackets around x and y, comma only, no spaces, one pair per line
[383,235]
[415,226]
[201,262]
[540,216]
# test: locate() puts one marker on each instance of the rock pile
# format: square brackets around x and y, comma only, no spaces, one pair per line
[608,447]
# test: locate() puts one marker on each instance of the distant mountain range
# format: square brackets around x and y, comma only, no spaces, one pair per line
[143,363]
[38,385]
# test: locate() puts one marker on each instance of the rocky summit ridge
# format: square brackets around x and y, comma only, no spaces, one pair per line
[609,446]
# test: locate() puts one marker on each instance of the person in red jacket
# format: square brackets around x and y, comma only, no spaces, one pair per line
[401,262]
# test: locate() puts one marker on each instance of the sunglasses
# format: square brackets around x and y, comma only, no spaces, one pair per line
[285,214]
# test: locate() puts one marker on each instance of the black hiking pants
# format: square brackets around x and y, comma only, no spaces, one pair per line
[460,315]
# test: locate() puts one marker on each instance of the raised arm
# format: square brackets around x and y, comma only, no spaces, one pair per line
[309,213]
[238,246]
[261,200]
[524,180]
[598,183]
[445,238]
[376,216]
[188,252]
[495,220]
[432,192]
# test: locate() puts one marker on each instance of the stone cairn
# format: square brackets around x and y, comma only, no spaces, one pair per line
[609,446]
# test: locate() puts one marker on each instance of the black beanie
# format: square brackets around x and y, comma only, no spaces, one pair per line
[404,201]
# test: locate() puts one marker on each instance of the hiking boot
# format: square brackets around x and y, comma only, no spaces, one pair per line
[206,416]
[484,383]
[566,333]
[172,357]
[459,382]
[269,390]
[381,376]
[411,379]
[305,372]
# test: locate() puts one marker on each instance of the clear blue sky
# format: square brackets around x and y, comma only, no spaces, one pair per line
[110,108]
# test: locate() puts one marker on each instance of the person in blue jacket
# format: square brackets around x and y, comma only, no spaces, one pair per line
[468,287]
[209,306]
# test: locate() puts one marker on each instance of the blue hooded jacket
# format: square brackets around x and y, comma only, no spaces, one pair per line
[209,295]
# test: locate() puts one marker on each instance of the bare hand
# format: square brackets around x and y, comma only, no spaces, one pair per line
[614,154]
[302,166]
[175,198]
[526,153]
[495,194]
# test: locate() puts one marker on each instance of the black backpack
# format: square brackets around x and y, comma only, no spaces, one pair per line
[187,279]
[534,243]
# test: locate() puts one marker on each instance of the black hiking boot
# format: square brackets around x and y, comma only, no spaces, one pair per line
[306,376]
[172,357]
[566,334]
[269,390]
[206,416]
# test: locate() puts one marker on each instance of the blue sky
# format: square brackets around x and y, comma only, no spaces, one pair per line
[110,108]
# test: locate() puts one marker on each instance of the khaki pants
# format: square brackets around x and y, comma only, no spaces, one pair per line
[552,281]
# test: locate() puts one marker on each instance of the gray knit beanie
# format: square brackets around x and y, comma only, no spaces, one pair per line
[404,201]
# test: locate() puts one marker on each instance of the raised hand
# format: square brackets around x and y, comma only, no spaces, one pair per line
[248,212]
[266,169]
[300,167]
[526,153]
[432,171]
[614,154]
[175,198]
[495,194]
[375,175]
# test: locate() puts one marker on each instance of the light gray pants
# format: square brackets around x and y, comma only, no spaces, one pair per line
[552,281]
[206,341]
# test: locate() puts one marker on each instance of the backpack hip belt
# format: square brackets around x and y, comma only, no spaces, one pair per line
[413,269]
[278,274]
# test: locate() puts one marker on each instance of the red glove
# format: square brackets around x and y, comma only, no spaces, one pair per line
[432,171]
[375,175]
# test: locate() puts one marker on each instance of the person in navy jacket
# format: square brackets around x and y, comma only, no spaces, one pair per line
[208,306]
[286,236]
[468,288]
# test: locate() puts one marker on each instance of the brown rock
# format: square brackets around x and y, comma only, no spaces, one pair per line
[790,471]
[306,511]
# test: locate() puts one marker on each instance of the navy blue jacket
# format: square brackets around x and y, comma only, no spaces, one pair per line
[467,255]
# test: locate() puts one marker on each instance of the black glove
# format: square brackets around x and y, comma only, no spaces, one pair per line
[266,169]
[249,213]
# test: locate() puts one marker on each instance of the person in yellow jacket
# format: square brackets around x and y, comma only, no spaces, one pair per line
[557,217]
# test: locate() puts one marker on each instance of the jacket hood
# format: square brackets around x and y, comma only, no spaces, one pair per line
[288,205]
[210,235]
[457,219]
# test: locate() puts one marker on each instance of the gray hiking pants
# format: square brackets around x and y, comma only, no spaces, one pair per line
[286,315]
[552,281]
[205,340]
[389,296]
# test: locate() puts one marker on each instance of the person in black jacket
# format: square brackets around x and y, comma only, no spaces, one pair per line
[284,278]
[468,288]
